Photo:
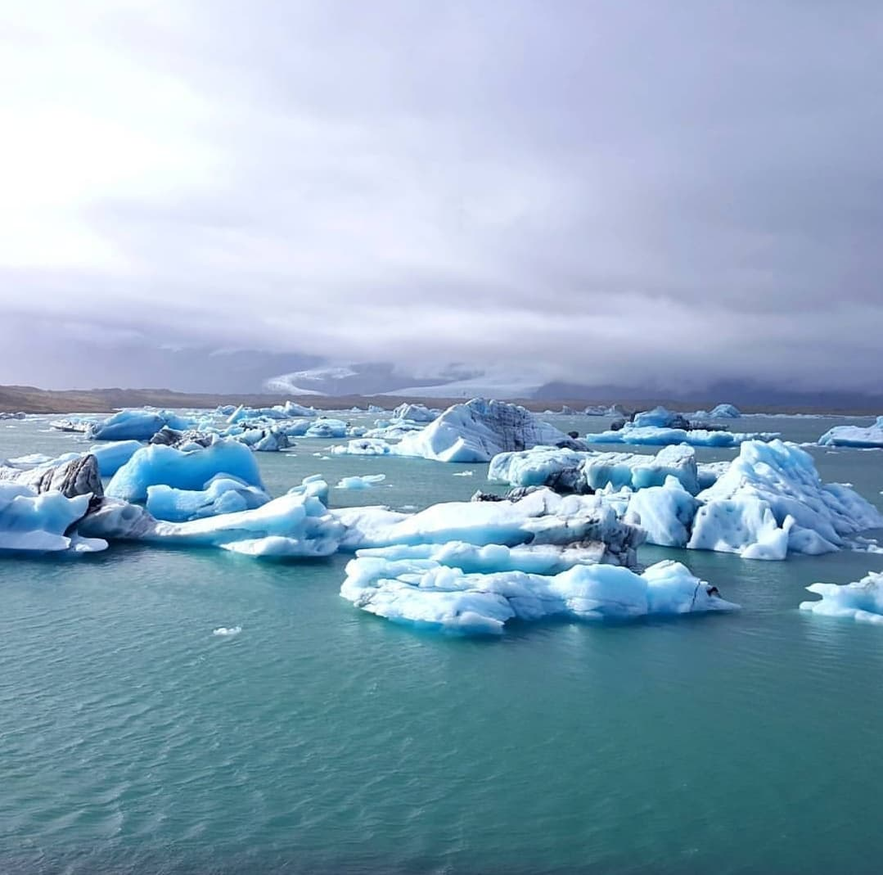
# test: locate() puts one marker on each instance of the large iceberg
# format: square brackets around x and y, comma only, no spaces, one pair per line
[31,522]
[861,601]
[155,465]
[138,424]
[657,437]
[436,593]
[294,525]
[870,437]
[722,411]
[478,430]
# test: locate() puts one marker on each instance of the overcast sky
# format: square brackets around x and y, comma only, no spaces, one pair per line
[618,192]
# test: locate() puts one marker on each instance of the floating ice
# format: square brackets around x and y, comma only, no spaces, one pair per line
[771,500]
[367,481]
[296,524]
[39,523]
[363,447]
[328,428]
[722,411]
[478,430]
[227,631]
[111,457]
[870,437]
[862,601]
[221,495]
[415,413]
[659,417]
[657,437]
[542,517]
[573,471]
[664,512]
[427,592]
[74,475]
[155,465]
[136,424]
[289,410]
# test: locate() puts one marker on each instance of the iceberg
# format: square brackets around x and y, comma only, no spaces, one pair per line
[539,518]
[328,428]
[111,457]
[138,424]
[722,411]
[221,495]
[264,440]
[664,512]
[870,437]
[366,481]
[363,447]
[72,477]
[289,410]
[31,522]
[574,471]
[479,430]
[191,469]
[772,500]
[861,601]
[293,525]
[428,593]
[414,413]
[657,437]
[659,417]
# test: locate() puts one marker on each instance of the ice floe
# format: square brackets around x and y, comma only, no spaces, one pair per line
[436,593]
[861,601]
[366,481]
[869,437]
[658,436]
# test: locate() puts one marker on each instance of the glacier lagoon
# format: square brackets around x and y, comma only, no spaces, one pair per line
[320,738]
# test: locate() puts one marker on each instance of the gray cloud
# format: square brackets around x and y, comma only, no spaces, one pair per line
[646,193]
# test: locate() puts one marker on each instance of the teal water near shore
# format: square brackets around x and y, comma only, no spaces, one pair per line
[322,739]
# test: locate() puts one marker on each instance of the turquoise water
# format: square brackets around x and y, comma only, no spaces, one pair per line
[322,739]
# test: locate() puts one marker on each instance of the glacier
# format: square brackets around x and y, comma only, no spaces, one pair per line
[861,601]
[183,469]
[869,437]
[428,593]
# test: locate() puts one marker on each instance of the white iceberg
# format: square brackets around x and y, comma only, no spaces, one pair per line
[41,523]
[479,430]
[429,593]
[869,437]
[722,411]
[363,447]
[772,500]
[664,512]
[366,481]
[414,413]
[861,601]
[155,465]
